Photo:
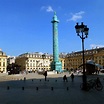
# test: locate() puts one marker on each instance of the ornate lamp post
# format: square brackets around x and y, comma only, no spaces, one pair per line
[84,34]
[43,57]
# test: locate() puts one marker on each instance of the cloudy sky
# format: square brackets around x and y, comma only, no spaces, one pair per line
[25,25]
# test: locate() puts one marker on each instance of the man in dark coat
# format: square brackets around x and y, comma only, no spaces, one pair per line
[45,74]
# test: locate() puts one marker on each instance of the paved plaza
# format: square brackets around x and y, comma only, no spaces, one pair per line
[35,90]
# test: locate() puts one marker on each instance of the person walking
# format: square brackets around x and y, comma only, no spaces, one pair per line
[72,77]
[65,78]
[45,74]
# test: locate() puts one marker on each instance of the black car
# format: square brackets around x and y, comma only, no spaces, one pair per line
[102,70]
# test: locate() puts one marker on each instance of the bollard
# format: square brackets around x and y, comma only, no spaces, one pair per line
[22,88]
[55,80]
[32,80]
[8,87]
[40,80]
[67,88]
[52,88]
[37,88]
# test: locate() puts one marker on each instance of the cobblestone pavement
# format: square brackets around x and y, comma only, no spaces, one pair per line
[35,90]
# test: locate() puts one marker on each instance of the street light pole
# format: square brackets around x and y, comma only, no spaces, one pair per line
[43,57]
[84,75]
[84,34]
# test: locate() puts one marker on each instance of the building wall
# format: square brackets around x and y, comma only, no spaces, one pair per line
[3,62]
[74,59]
[10,59]
[63,63]
[34,61]
[62,59]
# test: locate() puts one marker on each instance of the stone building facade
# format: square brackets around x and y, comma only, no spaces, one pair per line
[62,59]
[10,59]
[3,62]
[35,61]
[74,60]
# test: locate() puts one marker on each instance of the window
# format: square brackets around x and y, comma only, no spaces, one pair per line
[30,64]
[3,63]
[33,64]
[30,55]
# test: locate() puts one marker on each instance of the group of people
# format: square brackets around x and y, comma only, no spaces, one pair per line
[65,78]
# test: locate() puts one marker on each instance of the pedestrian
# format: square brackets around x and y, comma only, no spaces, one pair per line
[24,79]
[45,74]
[65,78]
[72,77]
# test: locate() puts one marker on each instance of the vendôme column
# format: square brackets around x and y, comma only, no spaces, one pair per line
[56,64]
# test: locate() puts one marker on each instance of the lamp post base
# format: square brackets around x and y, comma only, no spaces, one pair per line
[84,86]
[57,66]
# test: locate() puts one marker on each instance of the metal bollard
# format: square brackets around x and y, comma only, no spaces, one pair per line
[55,80]
[67,88]
[8,87]
[37,88]
[32,80]
[40,80]
[52,88]
[22,88]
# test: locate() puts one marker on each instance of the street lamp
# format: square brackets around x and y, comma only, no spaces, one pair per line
[43,57]
[84,34]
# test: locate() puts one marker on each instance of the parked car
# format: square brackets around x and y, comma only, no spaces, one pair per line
[40,71]
[102,70]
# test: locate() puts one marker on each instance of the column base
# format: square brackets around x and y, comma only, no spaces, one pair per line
[57,66]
